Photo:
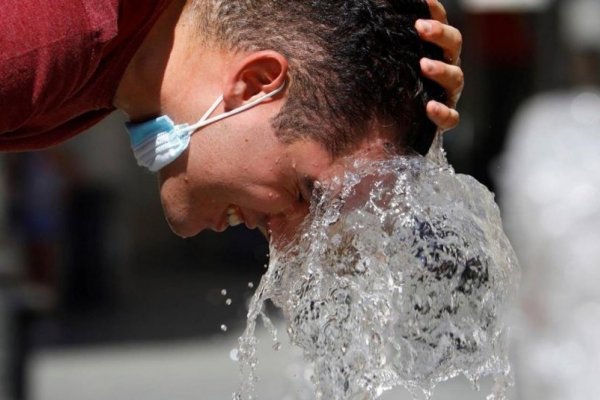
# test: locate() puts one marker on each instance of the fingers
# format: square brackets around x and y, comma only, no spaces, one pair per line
[443,116]
[437,11]
[445,36]
[450,77]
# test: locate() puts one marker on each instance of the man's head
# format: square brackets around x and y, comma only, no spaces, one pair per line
[353,84]
[353,65]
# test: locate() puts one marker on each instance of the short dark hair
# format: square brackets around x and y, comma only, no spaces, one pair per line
[354,65]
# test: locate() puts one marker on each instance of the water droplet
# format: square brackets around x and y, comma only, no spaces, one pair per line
[277,346]
[228,302]
[234,355]
[223,292]
[250,285]
[224,328]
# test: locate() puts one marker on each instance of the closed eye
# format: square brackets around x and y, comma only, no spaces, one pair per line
[307,187]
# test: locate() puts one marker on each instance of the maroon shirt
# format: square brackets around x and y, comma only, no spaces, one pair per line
[61,62]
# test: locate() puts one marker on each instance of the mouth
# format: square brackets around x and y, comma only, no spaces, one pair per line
[235,216]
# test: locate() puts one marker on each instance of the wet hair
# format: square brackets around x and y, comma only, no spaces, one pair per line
[354,65]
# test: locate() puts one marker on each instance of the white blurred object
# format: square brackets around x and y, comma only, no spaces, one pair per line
[580,23]
[504,5]
[551,202]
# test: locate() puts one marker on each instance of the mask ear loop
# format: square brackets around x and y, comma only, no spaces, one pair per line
[204,121]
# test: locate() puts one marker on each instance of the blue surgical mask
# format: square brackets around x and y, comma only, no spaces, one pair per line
[158,142]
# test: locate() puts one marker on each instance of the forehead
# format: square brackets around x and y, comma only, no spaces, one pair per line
[310,159]
[313,160]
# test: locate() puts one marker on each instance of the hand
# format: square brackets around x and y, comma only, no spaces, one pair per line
[448,74]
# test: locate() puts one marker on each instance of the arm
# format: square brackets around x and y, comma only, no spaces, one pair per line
[449,75]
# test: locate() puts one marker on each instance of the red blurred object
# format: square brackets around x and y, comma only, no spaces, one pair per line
[503,39]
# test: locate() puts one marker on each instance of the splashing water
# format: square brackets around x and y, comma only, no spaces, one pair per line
[400,277]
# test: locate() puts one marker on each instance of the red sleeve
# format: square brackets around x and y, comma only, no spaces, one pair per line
[47,48]
[61,63]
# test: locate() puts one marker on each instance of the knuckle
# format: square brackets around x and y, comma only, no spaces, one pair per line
[459,38]
[453,119]
[454,77]
[460,77]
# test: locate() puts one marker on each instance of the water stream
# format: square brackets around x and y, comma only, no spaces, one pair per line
[400,276]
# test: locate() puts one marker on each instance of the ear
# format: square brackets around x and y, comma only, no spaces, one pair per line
[256,74]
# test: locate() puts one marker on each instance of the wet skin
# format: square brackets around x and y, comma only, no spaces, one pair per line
[237,170]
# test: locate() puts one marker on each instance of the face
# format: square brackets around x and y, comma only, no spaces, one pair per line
[238,171]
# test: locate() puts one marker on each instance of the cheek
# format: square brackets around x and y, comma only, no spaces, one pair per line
[266,199]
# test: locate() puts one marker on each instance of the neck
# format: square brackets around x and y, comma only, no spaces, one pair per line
[139,92]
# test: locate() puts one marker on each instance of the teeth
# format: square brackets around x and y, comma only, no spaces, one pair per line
[233,217]
[234,220]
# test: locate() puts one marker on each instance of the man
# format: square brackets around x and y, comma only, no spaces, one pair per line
[174,58]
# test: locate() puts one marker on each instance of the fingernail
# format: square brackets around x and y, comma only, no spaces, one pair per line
[423,26]
[427,65]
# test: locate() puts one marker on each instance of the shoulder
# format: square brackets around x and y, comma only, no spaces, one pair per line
[33,25]
[60,63]
[47,50]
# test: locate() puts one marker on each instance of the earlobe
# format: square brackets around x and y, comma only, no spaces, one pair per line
[256,74]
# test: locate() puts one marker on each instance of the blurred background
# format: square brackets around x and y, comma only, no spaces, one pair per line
[98,299]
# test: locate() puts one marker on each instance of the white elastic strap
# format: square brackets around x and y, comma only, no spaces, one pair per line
[204,121]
